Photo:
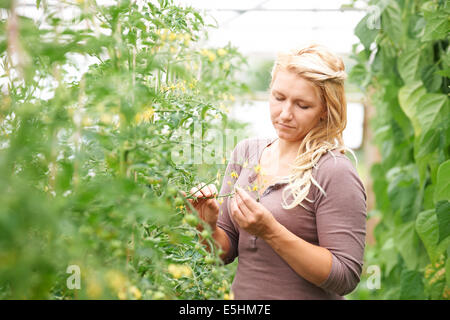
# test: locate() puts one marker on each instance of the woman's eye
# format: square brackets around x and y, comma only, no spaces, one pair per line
[278,98]
[303,107]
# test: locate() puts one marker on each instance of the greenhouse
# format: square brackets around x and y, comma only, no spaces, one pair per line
[224,150]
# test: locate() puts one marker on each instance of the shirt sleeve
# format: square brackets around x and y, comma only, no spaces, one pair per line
[341,222]
[224,221]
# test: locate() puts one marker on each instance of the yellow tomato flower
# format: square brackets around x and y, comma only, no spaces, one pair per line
[135,292]
[221,52]
[187,39]
[122,294]
[255,188]
[177,271]
[116,280]
[172,36]
[212,57]
[94,290]
[174,271]
[145,116]
[234,175]
[257,168]
[229,296]
[185,270]
[106,118]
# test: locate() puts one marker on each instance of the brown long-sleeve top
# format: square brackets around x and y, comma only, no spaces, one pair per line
[336,222]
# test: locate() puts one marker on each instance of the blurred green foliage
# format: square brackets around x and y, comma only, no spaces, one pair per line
[86,170]
[404,68]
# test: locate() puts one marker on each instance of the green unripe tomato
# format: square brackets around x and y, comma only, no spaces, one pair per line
[209,260]
[190,233]
[205,234]
[171,191]
[191,220]
[158,295]
[207,281]
[179,202]
[215,272]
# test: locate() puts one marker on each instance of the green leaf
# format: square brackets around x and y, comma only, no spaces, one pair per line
[402,190]
[408,64]
[392,22]
[442,191]
[365,34]
[389,254]
[421,108]
[443,219]
[411,285]
[437,26]
[407,242]
[427,228]
[430,77]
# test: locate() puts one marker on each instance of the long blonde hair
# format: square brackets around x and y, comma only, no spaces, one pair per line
[325,70]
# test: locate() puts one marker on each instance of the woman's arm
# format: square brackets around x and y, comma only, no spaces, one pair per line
[311,262]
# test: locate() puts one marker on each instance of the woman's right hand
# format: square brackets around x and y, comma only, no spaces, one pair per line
[204,201]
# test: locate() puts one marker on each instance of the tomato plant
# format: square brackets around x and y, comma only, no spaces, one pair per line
[92,108]
[404,67]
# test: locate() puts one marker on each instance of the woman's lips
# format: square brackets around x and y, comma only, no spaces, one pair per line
[286,126]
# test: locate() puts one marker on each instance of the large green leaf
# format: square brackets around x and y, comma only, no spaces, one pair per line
[430,77]
[437,24]
[389,255]
[411,285]
[442,191]
[392,22]
[406,241]
[402,190]
[365,32]
[408,64]
[421,108]
[427,228]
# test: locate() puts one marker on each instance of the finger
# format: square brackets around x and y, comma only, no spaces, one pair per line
[247,200]
[242,206]
[195,192]
[213,190]
[203,190]
[206,191]
[235,213]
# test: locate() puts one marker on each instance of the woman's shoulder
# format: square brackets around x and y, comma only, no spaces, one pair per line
[251,145]
[334,162]
[334,173]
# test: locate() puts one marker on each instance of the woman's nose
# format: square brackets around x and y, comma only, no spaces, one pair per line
[286,111]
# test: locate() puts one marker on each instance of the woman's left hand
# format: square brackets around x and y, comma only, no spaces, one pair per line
[250,215]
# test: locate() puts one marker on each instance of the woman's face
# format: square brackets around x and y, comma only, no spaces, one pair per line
[295,106]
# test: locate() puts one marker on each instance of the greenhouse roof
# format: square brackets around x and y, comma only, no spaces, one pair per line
[267,26]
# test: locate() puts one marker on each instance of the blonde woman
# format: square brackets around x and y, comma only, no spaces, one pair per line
[297,220]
